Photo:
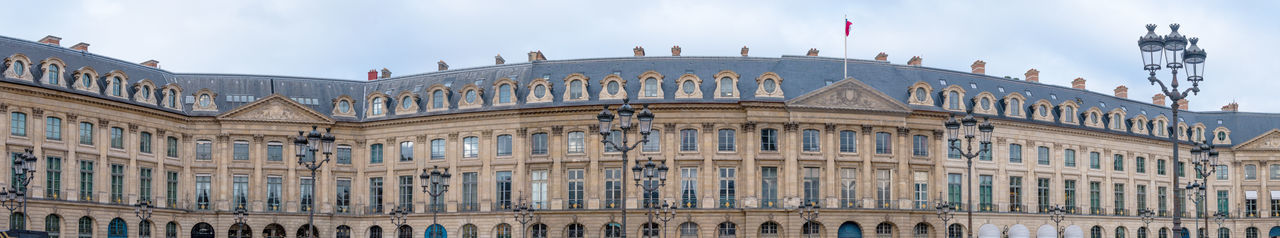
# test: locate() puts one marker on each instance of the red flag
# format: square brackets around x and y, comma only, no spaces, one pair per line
[847,24]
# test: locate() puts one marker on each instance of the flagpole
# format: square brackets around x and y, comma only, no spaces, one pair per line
[846,49]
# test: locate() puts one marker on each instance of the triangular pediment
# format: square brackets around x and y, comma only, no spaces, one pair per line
[276,108]
[1267,141]
[849,94]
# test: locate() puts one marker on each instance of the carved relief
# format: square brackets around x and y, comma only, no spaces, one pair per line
[749,126]
[849,94]
[275,108]
[557,130]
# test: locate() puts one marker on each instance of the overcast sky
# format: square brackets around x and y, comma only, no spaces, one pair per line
[1095,40]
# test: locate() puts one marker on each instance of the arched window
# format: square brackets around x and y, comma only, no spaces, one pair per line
[1068,114]
[471,96]
[574,230]
[1120,232]
[1044,111]
[53,225]
[85,227]
[726,87]
[406,102]
[727,230]
[985,103]
[884,230]
[117,228]
[689,230]
[1095,232]
[538,230]
[612,87]
[1015,107]
[955,231]
[1164,232]
[404,232]
[205,101]
[436,231]
[1251,232]
[146,92]
[650,230]
[920,231]
[539,91]
[172,99]
[437,99]
[575,89]
[117,85]
[811,230]
[144,229]
[55,72]
[1223,232]
[687,87]
[770,86]
[277,231]
[502,231]
[920,94]
[650,87]
[377,106]
[344,231]
[171,230]
[504,93]
[17,221]
[19,67]
[1142,232]
[953,100]
[470,231]
[768,230]
[612,230]
[375,232]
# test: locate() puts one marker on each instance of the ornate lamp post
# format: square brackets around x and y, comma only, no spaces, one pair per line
[1205,159]
[808,212]
[1172,51]
[1220,217]
[307,145]
[435,183]
[1197,191]
[15,196]
[1057,214]
[242,220]
[143,210]
[665,214]
[650,177]
[524,215]
[606,128]
[399,216]
[1147,217]
[945,210]
[970,126]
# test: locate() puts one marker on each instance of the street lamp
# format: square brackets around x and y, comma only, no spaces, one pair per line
[400,216]
[1198,190]
[307,145]
[1172,50]
[945,210]
[650,177]
[242,222]
[970,126]
[1220,217]
[524,215]
[1205,159]
[1057,214]
[143,210]
[809,212]
[1147,217]
[606,129]
[665,214]
[435,183]
[15,196]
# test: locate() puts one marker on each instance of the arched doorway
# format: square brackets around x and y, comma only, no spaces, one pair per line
[1019,231]
[1046,231]
[117,229]
[240,230]
[436,231]
[202,230]
[1187,233]
[988,231]
[849,230]
[1274,233]
[1073,231]
[273,231]
[303,232]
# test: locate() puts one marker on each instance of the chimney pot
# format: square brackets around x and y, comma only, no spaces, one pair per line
[882,57]
[812,52]
[915,61]
[1078,83]
[979,67]
[1231,107]
[536,56]
[373,74]
[639,51]
[386,73]
[744,51]
[1122,91]
[51,40]
[1033,75]
[152,63]
[1158,99]
[442,66]
[498,60]
[1182,104]
[81,46]
[675,50]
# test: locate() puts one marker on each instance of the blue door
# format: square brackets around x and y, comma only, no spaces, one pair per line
[849,230]
[117,229]
[436,231]
[1186,233]
[1275,232]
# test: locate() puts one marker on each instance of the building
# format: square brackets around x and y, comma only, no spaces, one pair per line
[748,140]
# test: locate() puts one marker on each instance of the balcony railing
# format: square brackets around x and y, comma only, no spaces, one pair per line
[501,206]
[1072,209]
[886,204]
[986,207]
[922,205]
[612,204]
[769,203]
[727,203]
[574,205]
[1097,211]
[1162,213]
[468,206]
[1121,212]
[373,209]
[437,207]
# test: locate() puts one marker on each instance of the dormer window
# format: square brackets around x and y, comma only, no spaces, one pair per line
[953,102]
[1044,110]
[171,100]
[726,87]
[437,99]
[377,106]
[769,85]
[1093,118]
[504,94]
[1015,107]
[18,67]
[406,102]
[575,90]
[344,106]
[117,87]
[471,96]
[921,94]
[539,91]
[687,87]
[205,101]
[146,92]
[614,87]
[650,87]
[1068,114]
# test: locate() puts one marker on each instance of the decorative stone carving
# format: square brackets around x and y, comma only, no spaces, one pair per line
[830,127]
[707,127]
[557,130]
[133,128]
[866,129]
[276,108]
[103,122]
[453,136]
[421,139]
[4,107]
[257,138]
[791,126]
[594,128]
[904,131]
[849,94]
[522,132]
[360,143]
[160,132]
[749,126]
[186,137]
[71,117]
[487,134]
[37,112]
[669,126]
[937,133]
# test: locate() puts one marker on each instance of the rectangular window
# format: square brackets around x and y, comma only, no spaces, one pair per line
[728,187]
[1181,169]
[953,149]
[470,192]
[688,140]
[810,140]
[954,189]
[1095,198]
[86,133]
[171,146]
[1224,204]
[920,145]
[204,150]
[117,183]
[1160,167]
[274,193]
[1043,194]
[615,137]
[344,154]
[613,188]
[307,188]
[1118,164]
[53,128]
[240,191]
[538,142]
[1140,165]
[144,142]
[1042,155]
[848,142]
[655,142]
[1095,160]
[884,189]
[1162,202]
[375,153]
[575,142]
[1141,190]
[538,186]
[406,151]
[576,194]
[726,140]
[502,190]
[375,195]
[1275,207]
[1069,158]
[171,189]
[470,147]
[144,184]
[884,143]
[437,149]
[1222,172]
[18,124]
[53,177]
[1119,199]
[1069,195]
[1250,172]
[86,180]
[202,192]
[275,151]
[812,185]
[688,189]
[921,190]
[768,186]
[1275,172]
[984,152]
[849,187]
[1251,207]
[1015,193]
[344,196]
[117,138]
[1015,153]
[651,199]
[406,191]
[768,140]
[240,150]
[984,193]
[504,145]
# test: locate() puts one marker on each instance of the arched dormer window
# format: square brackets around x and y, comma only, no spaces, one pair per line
[576,87]
[1197,133]
[1042,111]
[921,93]
[18,66]
[539,91]
[984,103]
[1093,118]
[614,87]
[408,103]
[438,100]
[172,93]
[506,92]
[651,87]
[769,85]
[343,106]
[472,96]
[205,100]
[1117,120]
[86,79]
[145,92]
[116,86]
[1070,112]
[688,86]
[1139,124]
[377,104]
[1014,105]
[1182,131]
[954,98]
[726,84]
[1160,126]
[54,69]
[1221,135]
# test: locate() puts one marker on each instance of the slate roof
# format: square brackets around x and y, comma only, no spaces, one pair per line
[800,74]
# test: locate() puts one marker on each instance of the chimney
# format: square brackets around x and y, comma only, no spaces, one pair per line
[1078,83]
[979,67]
[744,51]
[1158,99]
[81,46]
[442,66]
[1182,104]
[1232,107]
[1122,91]
[498,60]
[675,50]
[152,63]
[51,40]
[882,57]
[915,61]
[536,56]
[639,51]
[1033,75]
[373,74]
[812,52]
[386,73]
